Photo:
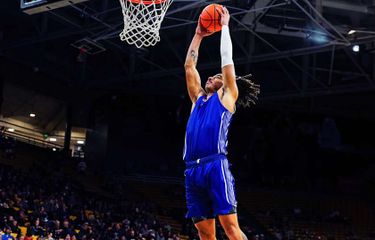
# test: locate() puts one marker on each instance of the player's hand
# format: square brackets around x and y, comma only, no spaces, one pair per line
[201,31]
[225,16]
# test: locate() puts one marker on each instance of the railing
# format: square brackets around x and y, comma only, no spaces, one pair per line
[31,140]
[22,127]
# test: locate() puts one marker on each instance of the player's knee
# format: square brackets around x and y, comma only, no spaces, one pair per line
[233,232]
[206,235]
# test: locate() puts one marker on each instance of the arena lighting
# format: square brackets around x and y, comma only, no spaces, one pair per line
[32,115]
[355,48]
[318,38]
[52,139]
[11,130]
[352,31]
[38,6]
[80,142]
[27,3]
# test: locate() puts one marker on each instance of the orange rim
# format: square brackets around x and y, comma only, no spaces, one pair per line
[147,2]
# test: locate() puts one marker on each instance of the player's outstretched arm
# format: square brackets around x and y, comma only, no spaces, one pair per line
[193,80]
[227,66]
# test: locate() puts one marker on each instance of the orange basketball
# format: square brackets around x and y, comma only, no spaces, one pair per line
[210,18]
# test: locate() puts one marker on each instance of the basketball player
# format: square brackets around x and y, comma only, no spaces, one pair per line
[208,181]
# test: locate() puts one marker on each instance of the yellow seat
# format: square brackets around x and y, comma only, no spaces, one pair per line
[88,213]
[23,230]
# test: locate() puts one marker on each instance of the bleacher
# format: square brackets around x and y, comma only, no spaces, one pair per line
[308,215]
[87,185]
[275,210]
[171,203]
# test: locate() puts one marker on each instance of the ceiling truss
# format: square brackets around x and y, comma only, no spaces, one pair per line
[247,19]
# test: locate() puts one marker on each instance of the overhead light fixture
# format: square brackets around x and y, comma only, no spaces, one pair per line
[11,130]
[318,38]
[52,139]
[355,48]
[32,115]
[352,31]
[54,149]
[80,142]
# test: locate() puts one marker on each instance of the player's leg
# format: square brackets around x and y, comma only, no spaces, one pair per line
[205,227]
[198,203]
[223,197]
[231,227]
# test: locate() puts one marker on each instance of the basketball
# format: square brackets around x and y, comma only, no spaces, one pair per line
[210,18]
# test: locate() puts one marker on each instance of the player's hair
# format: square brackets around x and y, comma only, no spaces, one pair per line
[248,91]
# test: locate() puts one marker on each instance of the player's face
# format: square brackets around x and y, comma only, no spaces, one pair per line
[214,83]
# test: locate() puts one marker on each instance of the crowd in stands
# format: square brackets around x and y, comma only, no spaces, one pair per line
[282,225]
[39,205]
[283,154]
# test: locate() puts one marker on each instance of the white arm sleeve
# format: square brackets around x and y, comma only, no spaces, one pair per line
[226,47]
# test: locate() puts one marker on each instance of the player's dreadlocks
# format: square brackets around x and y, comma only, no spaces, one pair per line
[248,91]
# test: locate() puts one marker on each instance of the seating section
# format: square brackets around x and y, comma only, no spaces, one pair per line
[37,200]
[285,215]
[35,204]
[168,197]
[302,216]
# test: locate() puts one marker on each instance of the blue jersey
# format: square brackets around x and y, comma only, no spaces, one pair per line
[7,237]
[207,129]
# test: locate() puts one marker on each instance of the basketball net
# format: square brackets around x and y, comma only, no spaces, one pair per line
[142,20]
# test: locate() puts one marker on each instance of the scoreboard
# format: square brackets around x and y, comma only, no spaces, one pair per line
[38,6]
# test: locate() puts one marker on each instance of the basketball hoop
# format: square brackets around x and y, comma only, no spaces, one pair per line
[142,20]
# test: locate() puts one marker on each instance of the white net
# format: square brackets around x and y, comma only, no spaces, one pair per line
[142,20]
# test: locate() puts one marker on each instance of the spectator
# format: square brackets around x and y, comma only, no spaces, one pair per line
[15,228]
[7,234]
[35,229]
[82,166]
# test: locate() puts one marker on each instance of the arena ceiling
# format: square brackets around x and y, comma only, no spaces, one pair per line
[298,50]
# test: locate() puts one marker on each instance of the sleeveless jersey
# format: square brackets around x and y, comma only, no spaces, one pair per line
[207,129]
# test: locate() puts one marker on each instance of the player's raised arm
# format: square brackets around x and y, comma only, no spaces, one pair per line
[193,80]
[227,65]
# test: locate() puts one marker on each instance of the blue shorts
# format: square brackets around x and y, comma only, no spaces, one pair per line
[210,188]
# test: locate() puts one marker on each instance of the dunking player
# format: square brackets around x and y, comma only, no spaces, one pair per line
[208,180]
